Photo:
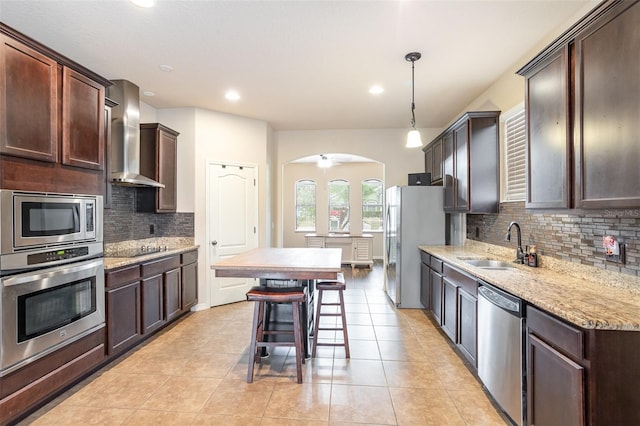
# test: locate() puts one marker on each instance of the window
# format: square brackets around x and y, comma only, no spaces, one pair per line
[338,206]
[515,141]
[372,205]
[305,205]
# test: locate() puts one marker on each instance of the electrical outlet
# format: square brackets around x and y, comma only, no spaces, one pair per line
[614,249]
[152,229]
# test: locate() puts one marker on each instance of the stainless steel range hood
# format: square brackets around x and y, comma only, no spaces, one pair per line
[125,136]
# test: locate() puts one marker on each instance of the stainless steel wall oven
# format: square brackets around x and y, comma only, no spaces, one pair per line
[51,273]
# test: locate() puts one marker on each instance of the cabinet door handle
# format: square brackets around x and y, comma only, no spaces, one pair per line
[214,243]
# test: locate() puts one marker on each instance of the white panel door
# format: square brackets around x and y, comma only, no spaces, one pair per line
[233,216]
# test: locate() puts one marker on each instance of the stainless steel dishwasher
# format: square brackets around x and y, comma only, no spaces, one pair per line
[501,365]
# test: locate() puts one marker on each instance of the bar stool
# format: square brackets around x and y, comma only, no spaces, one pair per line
[262,295]
[336,285]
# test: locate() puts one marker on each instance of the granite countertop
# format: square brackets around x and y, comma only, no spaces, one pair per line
[589,297]
[118,255]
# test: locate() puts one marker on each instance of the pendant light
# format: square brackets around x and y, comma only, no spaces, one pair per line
[413,137]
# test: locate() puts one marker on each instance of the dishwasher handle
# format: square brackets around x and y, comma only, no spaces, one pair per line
[500,300]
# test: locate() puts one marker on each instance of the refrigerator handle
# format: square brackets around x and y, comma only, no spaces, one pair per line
[386,233]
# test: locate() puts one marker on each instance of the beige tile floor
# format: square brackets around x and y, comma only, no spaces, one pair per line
[402,371]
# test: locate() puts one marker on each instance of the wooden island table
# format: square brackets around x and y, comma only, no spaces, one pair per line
[277,266]
[282,264]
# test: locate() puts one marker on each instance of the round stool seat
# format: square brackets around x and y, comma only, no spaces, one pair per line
[337,284]
[276,294]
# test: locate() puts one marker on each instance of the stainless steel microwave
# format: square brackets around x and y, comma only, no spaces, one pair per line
[35,220]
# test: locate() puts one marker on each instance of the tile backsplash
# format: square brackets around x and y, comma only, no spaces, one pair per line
[123,223]
[571,235]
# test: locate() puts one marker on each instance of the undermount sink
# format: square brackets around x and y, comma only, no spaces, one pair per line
[490,264]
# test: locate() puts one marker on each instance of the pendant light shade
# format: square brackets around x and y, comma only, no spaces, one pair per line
[324,162]
[413,137]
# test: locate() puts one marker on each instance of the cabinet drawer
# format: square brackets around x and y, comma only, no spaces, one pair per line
[160,266]
[436,264]
[189,257]
[467,282]
[425,257]
[556,333]
[122,276]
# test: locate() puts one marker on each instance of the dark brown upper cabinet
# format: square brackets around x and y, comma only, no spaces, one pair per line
[52,123]
[428,160]
[448,168]
[83,121]
[607,99]
[109,104]
[436,176]
[549,135]
[583,103]
[470,163]
[158,161]
[433,161]
[28,102]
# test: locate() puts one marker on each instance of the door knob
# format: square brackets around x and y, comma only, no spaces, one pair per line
[214,243]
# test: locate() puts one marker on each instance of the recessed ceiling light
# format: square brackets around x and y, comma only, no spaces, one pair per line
[166,68]
[232,95]
[144,3]
[148,93]
[376,89]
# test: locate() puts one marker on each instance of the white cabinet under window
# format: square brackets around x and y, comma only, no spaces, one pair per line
[356,249]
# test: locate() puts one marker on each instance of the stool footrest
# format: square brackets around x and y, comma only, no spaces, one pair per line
[277,332]
[267,344]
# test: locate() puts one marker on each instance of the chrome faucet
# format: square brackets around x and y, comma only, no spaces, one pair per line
[519,253]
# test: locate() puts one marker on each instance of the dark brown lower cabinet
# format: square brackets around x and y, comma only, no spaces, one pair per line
[123,314]
[425,285]
[189,280]
[555,386]
[436,296]
[34,384]
[579,376]
[152,303]
[449,308]
[468,325]
[123,308]
[172,294]
[575,375]
[143,297]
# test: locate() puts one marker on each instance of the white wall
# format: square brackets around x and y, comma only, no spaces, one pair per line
[354,173]
[148,114]
[508,90]
[207,136]
[385,146]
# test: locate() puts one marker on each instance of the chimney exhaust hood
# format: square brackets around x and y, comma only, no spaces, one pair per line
[125,136]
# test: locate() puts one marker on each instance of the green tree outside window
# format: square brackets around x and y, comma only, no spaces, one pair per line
[305,205]
[338,206]
[372,196]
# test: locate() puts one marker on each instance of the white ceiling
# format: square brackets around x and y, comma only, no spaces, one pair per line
[301,64]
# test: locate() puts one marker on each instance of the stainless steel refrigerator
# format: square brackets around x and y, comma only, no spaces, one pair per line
[414,216]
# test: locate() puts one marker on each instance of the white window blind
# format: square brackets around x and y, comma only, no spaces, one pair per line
[515,140]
